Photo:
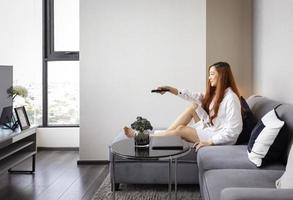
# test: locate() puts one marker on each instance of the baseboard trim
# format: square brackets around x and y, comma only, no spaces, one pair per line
[93,162]
[58,148]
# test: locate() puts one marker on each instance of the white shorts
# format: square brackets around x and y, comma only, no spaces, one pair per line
[203,133]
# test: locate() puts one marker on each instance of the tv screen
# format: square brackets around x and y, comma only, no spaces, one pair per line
[6,81]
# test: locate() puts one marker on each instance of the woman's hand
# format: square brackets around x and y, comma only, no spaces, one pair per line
[169,88]
[201,144]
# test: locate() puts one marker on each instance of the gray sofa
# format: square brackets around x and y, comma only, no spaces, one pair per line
[223,172]
[226,173]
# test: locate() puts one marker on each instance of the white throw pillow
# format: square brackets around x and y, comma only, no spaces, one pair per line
[263,136]
[286,180]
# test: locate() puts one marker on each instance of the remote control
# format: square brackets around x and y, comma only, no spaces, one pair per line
[160,90]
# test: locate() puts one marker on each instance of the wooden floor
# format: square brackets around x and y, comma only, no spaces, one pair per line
[57,176]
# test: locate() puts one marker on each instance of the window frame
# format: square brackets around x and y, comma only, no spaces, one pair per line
[49,55]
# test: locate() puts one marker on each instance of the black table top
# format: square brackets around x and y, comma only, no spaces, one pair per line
[126,149]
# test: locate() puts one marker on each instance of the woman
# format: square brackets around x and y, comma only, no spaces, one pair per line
[217,113]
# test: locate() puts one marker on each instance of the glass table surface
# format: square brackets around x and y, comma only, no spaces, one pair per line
[126,149]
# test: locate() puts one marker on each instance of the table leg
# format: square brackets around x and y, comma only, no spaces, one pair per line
[113,175]
[175,178]
[170,185]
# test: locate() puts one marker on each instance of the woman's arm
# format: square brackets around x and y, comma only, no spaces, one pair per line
[170,89]
[184,94]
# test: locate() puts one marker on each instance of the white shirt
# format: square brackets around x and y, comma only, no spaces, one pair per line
[228,123]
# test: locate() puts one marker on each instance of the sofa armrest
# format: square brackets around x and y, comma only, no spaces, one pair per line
[256,194]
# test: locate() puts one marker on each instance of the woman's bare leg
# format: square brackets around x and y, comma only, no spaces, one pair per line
[185,117]
[182,120]
[186,133]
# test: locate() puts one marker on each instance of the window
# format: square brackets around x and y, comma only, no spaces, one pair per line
[66,25]
[61,63]
[63,94]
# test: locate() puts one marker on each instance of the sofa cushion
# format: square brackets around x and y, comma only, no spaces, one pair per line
[286,181]
[216,180]
[263,139]
[241,193]
[249,121]
[261,105]
[228,157]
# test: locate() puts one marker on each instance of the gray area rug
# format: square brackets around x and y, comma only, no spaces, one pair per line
[145,192]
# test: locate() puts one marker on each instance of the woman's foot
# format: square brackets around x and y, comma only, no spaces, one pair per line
[128,132]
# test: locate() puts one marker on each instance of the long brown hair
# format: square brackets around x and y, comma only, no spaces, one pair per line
[225,80]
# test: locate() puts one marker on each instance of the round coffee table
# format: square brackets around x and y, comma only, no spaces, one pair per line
[125,148]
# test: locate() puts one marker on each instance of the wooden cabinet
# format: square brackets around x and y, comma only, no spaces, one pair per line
[16,147]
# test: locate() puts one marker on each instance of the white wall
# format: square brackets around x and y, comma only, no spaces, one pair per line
[273,41]
[21,33]
[58,137]
[128,48]
[21,37]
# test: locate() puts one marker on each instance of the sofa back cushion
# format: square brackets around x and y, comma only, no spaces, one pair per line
[264,147]
[261,105]
[248,120]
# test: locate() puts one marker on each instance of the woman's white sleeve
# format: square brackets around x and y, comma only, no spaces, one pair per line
[190,96]
[232,124]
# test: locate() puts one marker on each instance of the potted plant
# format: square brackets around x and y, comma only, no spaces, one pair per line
[13,92]
[141,127]
[17,91]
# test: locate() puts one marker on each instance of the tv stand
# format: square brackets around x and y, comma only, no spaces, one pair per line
[15,147]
